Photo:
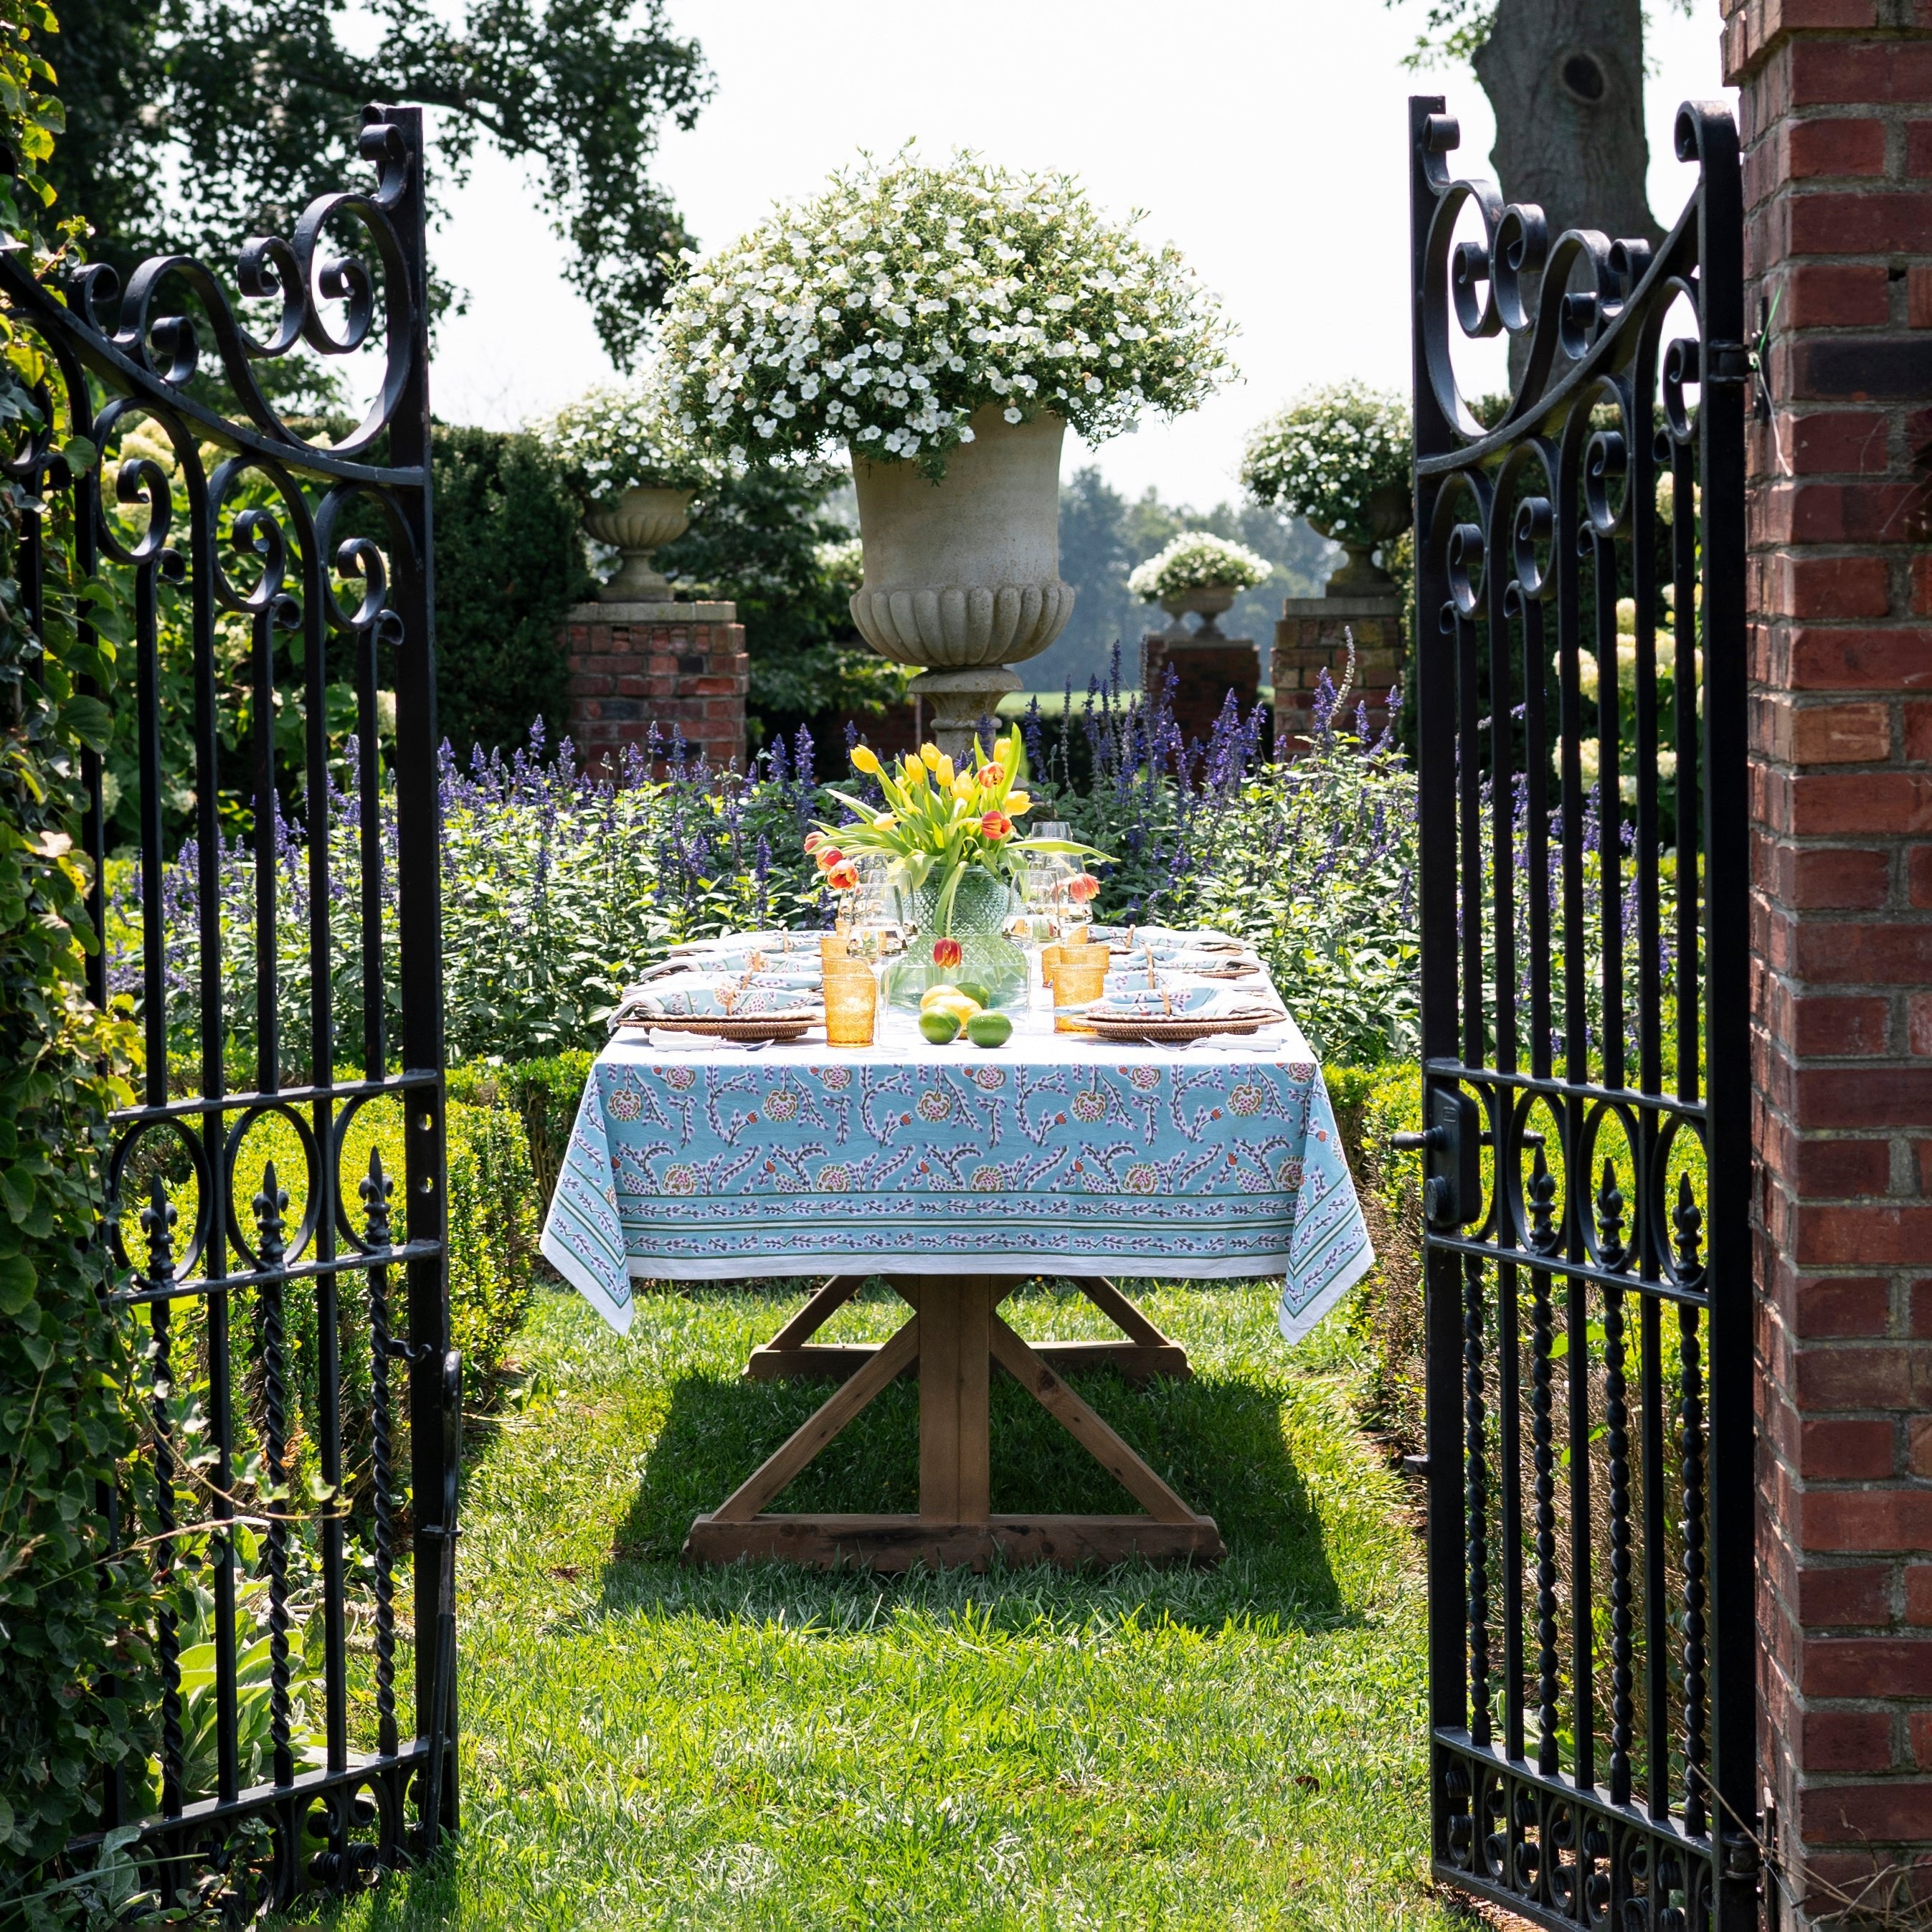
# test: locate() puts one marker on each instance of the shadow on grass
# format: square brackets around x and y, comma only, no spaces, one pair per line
[1218,1441]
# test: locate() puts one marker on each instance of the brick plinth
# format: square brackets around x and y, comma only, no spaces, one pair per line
[1312,636]
[1836,115]
[1205,670]
[680,668]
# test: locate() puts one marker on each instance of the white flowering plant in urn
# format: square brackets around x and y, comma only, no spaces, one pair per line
[946,325]
[1201,572]
[625,454]
[1340,457]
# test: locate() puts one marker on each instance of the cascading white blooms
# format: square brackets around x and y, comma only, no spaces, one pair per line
[612,438]
[1198,560]
[886,311]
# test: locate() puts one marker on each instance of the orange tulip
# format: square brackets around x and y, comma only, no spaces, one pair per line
[842,876]
[1083,888]
[996,825]
[947,952]
[827,856]
[990,775]
[813,840]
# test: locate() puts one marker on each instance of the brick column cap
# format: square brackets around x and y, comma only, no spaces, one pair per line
[1382,604]
[653,613]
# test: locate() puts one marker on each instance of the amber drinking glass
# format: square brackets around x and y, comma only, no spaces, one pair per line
[1077,983]
[851,1004]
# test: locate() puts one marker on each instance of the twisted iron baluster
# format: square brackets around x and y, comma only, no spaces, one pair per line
[1477,1475]
[1613,1254]
[158,1223]
[1543,1234]
[375,1191]
[270,1205]
[1689,1223]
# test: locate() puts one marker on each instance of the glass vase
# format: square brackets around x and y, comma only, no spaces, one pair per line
[989,963]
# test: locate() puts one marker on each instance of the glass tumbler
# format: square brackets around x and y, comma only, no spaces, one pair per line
[851,1004]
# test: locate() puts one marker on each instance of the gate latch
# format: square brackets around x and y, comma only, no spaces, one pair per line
[1452,1142]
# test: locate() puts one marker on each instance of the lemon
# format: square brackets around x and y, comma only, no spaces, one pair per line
[933,995]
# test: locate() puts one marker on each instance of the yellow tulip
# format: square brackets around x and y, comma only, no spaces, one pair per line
[864,759]
[914,773]
[1017,802]
[962,786]
[884,822]
[942,771]
[929,756]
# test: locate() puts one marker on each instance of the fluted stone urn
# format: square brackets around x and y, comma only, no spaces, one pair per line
[636,523]
[1207,601]
[962,577]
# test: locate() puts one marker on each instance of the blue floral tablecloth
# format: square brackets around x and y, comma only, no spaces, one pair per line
[1054,1154]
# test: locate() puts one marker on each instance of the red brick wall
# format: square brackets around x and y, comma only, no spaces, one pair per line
[1836,115]
[679,668]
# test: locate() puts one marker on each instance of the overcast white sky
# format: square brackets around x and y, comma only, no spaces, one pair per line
[1265,138]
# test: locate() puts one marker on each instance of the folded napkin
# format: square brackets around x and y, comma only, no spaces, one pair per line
[1187,1002]
[716,1000]
[775,941]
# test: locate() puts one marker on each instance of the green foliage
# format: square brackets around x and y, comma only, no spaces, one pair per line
[1103,535]
[509,562]
[1193,1749]
[70,1612]
[760,539]
[543,1093]
[579,89]
[492,1237]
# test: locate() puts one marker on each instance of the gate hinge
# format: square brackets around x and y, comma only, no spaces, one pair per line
[1727,362]
[1453,1193]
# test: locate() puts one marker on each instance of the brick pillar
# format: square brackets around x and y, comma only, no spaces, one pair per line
[680,667]
[1206,668]
[1310,639]
[1836,120]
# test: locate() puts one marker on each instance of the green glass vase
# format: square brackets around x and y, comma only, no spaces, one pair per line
[989,962]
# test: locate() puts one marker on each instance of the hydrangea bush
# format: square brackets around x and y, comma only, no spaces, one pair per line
[884,312]
[1198,560]
[612,439]
[1328,454]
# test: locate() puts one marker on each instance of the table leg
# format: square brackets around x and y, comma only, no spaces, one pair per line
[1144,1354]
[955,1336]
[956,1483]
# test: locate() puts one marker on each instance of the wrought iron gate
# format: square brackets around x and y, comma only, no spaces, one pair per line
[1585,1002]
[279,1762]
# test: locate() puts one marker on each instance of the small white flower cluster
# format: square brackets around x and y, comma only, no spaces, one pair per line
[613,440]
[842,563]
[1324,456]
[1197,560]
[883,313]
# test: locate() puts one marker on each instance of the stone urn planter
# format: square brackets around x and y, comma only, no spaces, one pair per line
[1207,601]
[962,577]
[1385,514]
[636,523]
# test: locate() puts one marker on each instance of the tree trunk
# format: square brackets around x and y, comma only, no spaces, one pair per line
[1565,79]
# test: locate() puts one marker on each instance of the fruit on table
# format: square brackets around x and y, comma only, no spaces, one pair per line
[940,1026]
[988,1029]
[949,999]
[975,992]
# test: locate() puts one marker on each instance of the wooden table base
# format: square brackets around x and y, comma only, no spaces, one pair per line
[955,1337]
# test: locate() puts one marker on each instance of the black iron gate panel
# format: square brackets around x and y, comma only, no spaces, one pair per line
[1580,691]
[295,1346]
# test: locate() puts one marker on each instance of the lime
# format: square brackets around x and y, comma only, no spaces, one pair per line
[989,1029]
[941,1028]
[976,993]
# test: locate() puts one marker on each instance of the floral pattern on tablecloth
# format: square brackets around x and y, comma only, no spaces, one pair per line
[1055,1158]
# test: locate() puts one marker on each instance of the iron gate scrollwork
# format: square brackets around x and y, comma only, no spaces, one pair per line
[231,529]
[1580,692]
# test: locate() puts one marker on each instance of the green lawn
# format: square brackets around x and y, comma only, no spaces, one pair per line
[648,1745]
